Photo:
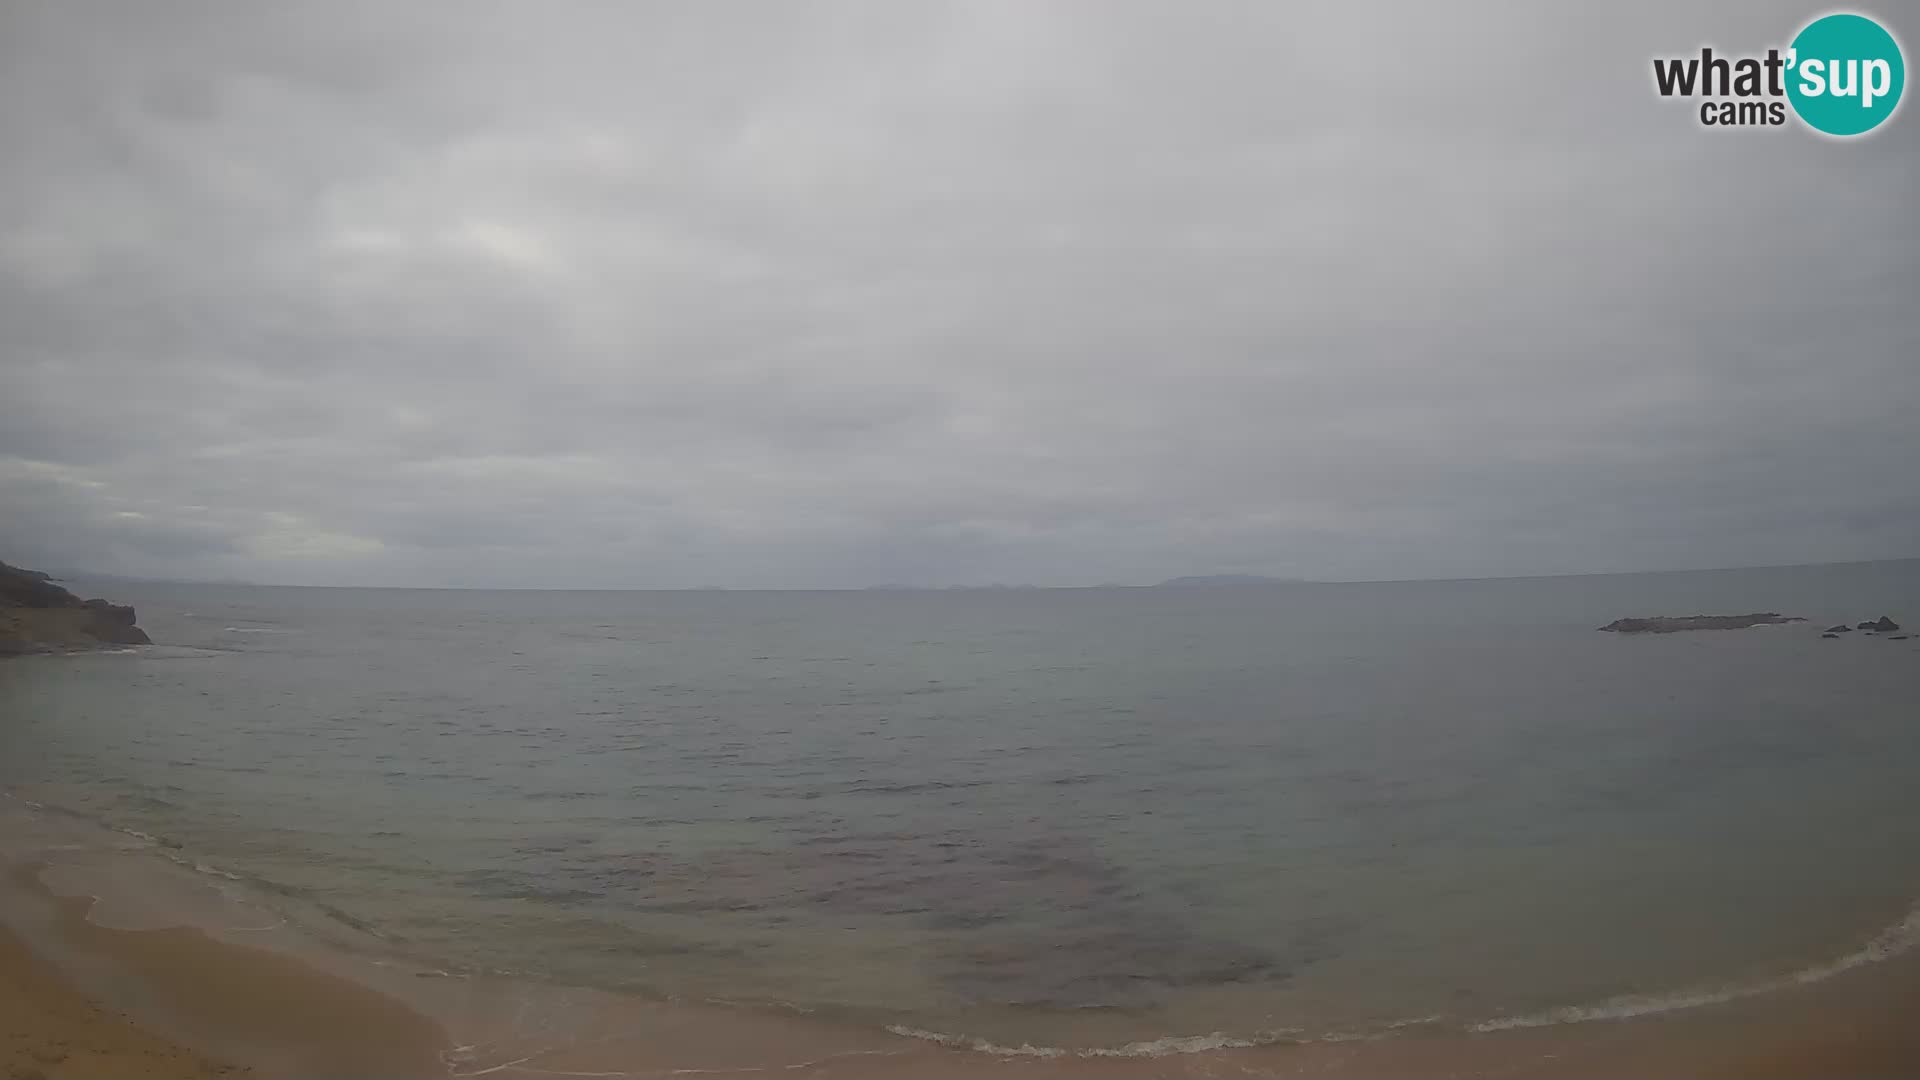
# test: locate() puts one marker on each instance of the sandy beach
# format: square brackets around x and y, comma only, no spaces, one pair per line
[49,1029]
[81,1000]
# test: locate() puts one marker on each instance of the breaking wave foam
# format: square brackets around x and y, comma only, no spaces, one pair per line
[1901,937]
[1172,1044]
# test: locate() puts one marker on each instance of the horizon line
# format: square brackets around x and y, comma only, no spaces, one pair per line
[105,577]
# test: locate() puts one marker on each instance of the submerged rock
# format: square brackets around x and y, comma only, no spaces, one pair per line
[1668,624]
[1830,634]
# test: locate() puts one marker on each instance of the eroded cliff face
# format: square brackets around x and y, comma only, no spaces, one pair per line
[38,615]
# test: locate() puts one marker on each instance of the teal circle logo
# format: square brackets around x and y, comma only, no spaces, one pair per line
[1845,74]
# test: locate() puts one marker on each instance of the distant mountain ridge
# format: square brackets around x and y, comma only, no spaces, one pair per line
[1225,581]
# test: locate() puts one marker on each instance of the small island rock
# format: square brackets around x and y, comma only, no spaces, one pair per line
[1668,624]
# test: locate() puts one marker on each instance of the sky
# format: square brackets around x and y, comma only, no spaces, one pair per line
[634,295]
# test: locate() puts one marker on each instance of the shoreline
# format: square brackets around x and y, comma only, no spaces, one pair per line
[64,855]
[202,1003]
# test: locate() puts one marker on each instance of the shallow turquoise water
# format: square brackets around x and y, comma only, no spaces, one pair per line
[1054,816]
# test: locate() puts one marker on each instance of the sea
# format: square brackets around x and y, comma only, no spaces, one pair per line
[1035,820]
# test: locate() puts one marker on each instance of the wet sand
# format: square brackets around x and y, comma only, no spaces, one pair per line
[48,1029]
[202,1006]
[97,1001]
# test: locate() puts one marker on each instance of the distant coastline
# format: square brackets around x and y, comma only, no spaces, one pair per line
[1226,581]
[109,581]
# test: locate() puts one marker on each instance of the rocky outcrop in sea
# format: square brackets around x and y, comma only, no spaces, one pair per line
[37,615]
[1668,624]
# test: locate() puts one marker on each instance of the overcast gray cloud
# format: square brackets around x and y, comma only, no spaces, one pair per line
[827,294]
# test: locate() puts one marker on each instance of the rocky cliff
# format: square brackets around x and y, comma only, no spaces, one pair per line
[38,615]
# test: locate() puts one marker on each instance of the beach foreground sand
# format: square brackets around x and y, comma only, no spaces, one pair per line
[79,999]
[49,1030]
[84,1000]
